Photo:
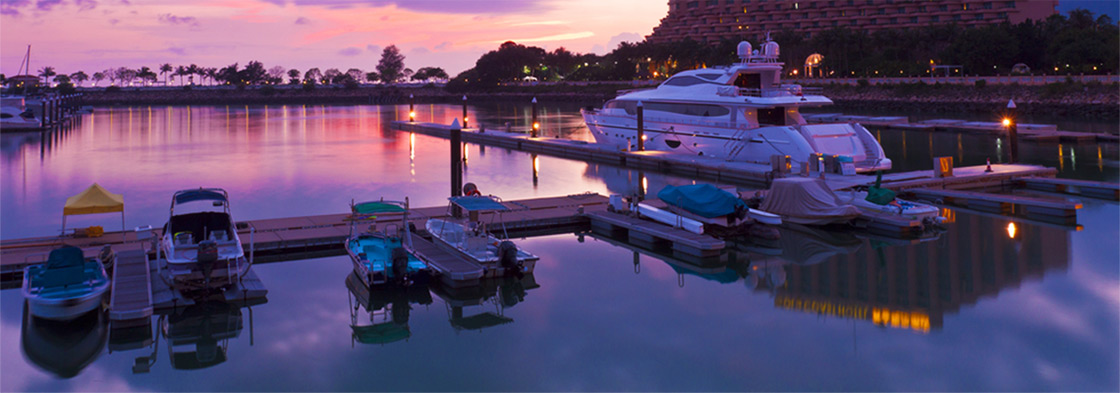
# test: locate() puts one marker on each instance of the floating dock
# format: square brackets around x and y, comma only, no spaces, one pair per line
[653,233]
[1027,132]
[452,269]
[132,287]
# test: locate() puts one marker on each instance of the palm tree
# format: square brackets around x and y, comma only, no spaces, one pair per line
[164,69]
[46,73]
[193,70]
[180,71]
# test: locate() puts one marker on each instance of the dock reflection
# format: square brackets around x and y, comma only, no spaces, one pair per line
[916,285]
[63,348]
[497,294]
[387,309]
[198,336]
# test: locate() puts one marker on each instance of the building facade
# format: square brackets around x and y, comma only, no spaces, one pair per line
[710,21]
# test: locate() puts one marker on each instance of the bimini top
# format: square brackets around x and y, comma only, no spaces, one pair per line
[377,207]
[478,203]
[201,194]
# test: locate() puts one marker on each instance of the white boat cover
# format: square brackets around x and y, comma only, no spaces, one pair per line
[806,200]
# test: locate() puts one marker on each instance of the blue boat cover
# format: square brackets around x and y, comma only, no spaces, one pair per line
[201,194]
[704,200]
[478,203]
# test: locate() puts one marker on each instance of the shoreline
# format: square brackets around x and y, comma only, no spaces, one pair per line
[1074,100]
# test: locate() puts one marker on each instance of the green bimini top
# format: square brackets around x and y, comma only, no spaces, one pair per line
[377,207]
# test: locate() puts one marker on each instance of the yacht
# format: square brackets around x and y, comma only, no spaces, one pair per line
[14,115]
[741,112]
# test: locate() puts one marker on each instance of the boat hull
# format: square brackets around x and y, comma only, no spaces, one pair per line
[490,264]
[741,144]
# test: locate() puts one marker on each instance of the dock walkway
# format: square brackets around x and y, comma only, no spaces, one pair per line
[452,269]
[132,287]
[649,232]
[1027,132]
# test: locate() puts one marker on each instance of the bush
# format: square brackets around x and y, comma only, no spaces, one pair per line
[351,84]
[980,83]
[267,90]
[309,86]
[863,83]
[112,89]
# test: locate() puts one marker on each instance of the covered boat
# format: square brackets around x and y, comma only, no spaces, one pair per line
[711,204]
[382,257]
[66,287]
[471,238]
[809,201]
[200,248]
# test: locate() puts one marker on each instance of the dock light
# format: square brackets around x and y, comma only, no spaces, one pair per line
[411,108]
[1011,229]
[1006,122]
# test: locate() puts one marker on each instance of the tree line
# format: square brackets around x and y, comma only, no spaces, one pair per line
[390,69]
[1077,43]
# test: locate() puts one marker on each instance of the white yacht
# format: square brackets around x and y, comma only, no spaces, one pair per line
[15,116]
[739,113]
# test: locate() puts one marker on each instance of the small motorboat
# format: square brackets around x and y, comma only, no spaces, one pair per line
[66,287]
[382,257]
[472,239]
[912,210]
[200,248]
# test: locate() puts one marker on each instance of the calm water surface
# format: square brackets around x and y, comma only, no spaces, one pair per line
[982,307]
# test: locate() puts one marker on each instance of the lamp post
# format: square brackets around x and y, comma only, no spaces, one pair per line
[536,124]
[641,124]
[465,111]
[411,108]
[1012,132]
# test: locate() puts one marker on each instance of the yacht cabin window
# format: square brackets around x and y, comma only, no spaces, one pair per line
[772,116]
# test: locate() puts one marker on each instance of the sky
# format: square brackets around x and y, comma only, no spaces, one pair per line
[94,35]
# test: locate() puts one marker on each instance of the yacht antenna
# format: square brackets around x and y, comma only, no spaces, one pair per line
[26,62]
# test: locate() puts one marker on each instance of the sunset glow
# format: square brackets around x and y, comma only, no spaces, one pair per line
[72,35]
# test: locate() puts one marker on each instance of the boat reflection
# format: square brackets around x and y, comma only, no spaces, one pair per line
[388,310]
[63,348]
[498,293]
[198,335]
[728,267]
[914,286]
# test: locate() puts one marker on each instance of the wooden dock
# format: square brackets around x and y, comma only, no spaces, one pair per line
[654,233]
[452,269]
[1054,210]
[132,287]
[292,238]
[1091,189]
[1027,132]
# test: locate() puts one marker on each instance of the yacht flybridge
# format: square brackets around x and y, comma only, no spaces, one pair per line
[741,112]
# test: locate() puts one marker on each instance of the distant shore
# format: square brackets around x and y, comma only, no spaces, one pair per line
[1061,99]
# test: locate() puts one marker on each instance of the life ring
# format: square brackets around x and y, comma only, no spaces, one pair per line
[474,192]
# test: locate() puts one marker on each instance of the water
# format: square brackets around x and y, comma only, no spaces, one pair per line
[986,306]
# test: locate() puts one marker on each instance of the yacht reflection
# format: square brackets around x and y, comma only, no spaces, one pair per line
[914,286]
[388,309]
[198,335]
[63,348]
[499,293]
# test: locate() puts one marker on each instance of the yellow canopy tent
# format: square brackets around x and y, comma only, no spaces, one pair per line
[93,200]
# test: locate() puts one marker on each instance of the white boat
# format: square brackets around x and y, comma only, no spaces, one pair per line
[200,248]
[14,115]
[471,239]
[912,210]
[742,112]
[66,287]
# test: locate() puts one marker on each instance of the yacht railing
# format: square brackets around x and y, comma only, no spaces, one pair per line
[782,91]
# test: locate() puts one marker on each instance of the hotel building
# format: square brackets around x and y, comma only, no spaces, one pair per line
[710,21]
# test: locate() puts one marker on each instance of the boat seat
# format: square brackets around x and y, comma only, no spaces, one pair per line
[219,235]
[183,238]
[62,277]
[370,251]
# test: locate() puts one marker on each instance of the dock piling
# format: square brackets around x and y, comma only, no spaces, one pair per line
[456,163]
[1012,132]
[536,125]
[641,131]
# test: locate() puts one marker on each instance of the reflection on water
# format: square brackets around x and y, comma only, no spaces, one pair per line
[63,348]
[483,306]
[1004,305]
[387,311]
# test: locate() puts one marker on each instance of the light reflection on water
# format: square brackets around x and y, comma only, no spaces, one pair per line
[970,310]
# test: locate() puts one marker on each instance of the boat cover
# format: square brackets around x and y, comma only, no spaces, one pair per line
[805,198]
[702,199]
[92,201]
[478,203]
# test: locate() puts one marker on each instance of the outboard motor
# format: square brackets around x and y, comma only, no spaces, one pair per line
[207,258]
[399,263]
[507,257]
